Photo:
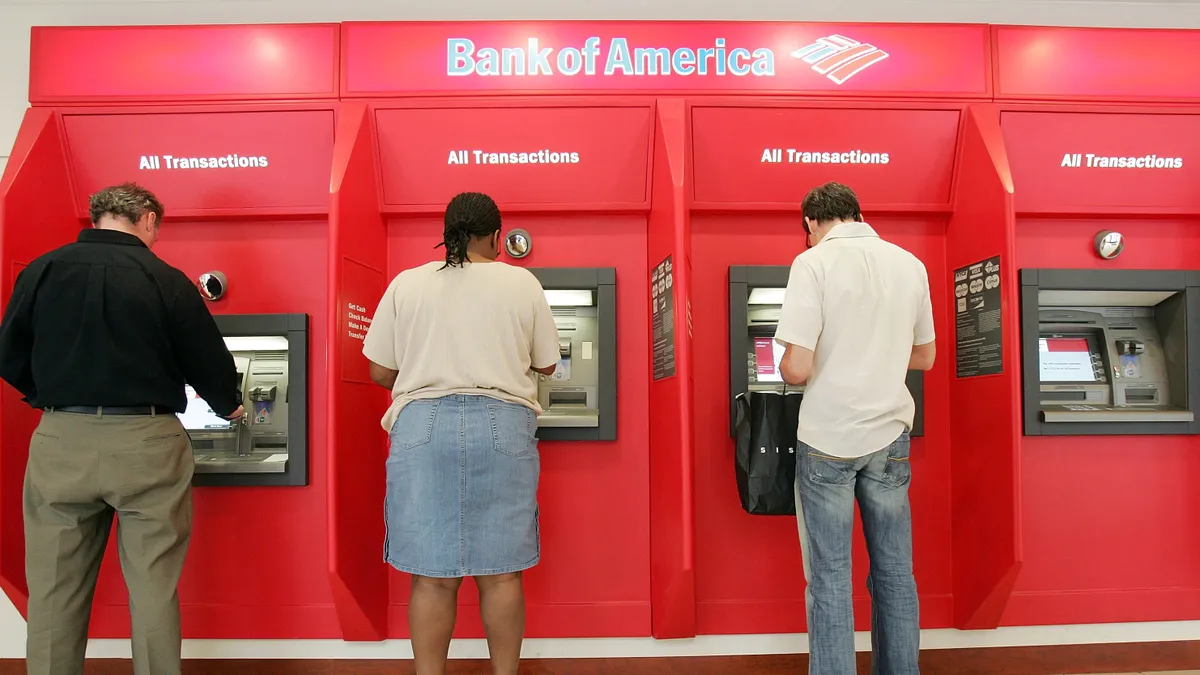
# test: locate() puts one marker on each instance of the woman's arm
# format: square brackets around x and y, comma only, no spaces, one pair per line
[384,377]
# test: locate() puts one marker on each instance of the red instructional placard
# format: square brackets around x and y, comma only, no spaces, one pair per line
[1093,162]
[668,56]
[358,296]
[206,162]
[1097,63]
[594,156]
[775,155]
[227,62]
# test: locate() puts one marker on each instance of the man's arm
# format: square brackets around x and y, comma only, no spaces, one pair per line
[16,332]
[202,355]
[796,365]
[800,322]
[922,357]
[924,349]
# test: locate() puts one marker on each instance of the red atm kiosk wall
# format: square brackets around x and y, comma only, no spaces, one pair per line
[753,163]
[928,182]
[581,191]
[1114,145]
[264,225]
[247,192]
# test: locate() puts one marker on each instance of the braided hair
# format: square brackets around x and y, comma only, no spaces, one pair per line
[470,215]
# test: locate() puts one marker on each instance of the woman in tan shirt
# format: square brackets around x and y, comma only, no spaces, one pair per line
[460,344]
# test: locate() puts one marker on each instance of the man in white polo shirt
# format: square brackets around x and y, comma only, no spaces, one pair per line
[856,318]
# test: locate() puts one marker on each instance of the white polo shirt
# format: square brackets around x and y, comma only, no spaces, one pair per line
[860,303]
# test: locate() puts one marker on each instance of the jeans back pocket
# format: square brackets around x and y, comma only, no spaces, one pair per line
[514,429]
[414,425]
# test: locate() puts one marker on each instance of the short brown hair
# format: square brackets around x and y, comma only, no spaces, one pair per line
[128,200]
[831,201]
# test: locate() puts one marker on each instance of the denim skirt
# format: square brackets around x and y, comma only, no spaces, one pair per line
[462,478]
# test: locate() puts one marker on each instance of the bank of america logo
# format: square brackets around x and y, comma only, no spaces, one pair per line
[839,58]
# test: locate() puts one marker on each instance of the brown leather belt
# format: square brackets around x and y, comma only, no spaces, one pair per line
[102,410]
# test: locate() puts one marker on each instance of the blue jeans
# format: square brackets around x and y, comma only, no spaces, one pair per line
[826,489]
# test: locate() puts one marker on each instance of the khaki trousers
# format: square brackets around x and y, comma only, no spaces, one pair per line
[83,470]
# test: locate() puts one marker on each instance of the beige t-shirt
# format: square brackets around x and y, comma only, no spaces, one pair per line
[861,304]
[476,330]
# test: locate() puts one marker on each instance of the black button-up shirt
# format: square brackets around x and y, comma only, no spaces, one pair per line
[104,322]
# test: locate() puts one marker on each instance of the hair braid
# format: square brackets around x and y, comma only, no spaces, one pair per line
[470,215]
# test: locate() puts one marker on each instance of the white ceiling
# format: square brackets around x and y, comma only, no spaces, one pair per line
[1159,13]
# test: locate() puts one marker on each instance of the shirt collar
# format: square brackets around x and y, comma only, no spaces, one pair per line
[851,231]
[96,235]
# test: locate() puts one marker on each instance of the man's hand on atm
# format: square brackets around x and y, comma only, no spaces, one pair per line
[236,413]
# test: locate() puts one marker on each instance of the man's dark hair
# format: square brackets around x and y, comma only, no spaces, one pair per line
[831,201]
[128,200]
[470,215]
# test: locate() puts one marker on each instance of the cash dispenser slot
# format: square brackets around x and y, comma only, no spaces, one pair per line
[578,400]
[1110,351]
[755,302]
[269,444]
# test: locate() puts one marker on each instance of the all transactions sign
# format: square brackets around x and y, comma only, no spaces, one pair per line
[430,57]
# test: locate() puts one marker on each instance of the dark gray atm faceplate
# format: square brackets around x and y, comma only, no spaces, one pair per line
[1110,352]
[269,445]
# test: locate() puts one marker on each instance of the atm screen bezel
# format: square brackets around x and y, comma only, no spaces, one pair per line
[1094,348]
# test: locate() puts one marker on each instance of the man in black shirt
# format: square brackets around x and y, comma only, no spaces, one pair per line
[102,335]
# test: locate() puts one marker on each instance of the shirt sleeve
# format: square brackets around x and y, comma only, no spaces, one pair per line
[16,333]
[545,332]
[201,353]
[923,330]
[379,345]
[801,319]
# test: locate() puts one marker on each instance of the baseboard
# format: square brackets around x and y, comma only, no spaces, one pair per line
[1057,660]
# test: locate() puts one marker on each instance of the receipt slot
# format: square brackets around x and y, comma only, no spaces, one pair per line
[755,301]
[269,444]
[579,399]
[1110,351]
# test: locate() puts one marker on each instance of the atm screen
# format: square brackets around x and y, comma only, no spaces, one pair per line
[200,417]
[767,355]
[1065,359]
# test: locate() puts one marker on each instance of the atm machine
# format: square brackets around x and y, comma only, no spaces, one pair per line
[755,300]
[269,444]
[580,399]
[1110,351]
